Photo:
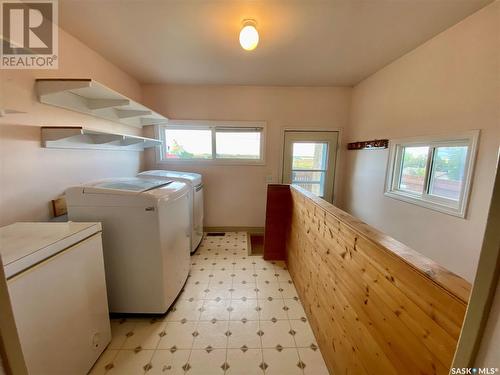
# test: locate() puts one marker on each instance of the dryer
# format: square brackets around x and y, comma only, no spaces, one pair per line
[146,238]
[194,180]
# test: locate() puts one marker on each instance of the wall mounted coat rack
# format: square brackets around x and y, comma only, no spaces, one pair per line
[368,145]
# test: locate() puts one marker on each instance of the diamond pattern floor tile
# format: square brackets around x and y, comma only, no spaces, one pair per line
[237,315]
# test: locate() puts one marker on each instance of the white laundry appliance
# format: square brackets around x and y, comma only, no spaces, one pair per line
[194,180]
[146,238]
[55,278]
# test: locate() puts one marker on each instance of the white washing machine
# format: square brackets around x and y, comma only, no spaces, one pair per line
[146,238]
[196,198]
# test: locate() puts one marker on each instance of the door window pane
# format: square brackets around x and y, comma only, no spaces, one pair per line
[309,155]
[188,144]
[311,181]
[238,145]
[413,168]
[448,169]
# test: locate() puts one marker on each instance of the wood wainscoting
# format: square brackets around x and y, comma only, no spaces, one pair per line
[375,305]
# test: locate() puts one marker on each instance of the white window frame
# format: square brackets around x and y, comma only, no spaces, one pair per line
[213,126]
[433,202]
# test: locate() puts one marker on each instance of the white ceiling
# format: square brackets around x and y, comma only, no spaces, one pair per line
[302,42]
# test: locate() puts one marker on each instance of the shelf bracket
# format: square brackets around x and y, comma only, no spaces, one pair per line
[106,103]
[152,121]
[126,141]
[47,87]
[129,113]
[100,139]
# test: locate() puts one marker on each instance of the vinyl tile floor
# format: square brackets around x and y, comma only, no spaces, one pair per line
[238,315]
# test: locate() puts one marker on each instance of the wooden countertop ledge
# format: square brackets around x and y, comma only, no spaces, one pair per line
[452,283]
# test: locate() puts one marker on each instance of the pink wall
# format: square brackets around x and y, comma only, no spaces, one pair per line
[236,195]
[30,175]
[449,84]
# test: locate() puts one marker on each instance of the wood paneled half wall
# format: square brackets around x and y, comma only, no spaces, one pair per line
[375,305]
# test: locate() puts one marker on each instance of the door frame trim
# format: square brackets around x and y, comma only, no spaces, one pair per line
[338,154]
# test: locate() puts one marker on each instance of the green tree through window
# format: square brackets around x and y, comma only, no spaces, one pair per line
[178,150]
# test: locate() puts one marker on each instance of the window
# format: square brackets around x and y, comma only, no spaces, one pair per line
[309,166]
[188,144]
[435,172]
[414,164]
[231,142]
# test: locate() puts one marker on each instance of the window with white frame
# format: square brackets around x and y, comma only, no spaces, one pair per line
[433,172]
[241,141]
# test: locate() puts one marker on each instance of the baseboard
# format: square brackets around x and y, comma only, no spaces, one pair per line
[252,230]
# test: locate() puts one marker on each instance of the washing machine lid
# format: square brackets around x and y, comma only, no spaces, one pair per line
[22,245]
[190,177]
[126,185]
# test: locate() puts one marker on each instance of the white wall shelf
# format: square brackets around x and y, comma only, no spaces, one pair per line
[83,138]
[92,98]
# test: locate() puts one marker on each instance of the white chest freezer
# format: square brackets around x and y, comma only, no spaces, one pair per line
[55,278]
[194,180]
[145,237]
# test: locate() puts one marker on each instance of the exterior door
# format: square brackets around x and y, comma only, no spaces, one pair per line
[309,161]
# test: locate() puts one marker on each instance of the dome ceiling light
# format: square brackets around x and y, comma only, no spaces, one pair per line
[249,36]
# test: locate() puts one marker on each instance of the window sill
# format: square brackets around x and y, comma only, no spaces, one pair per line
[211,162]
[408,198]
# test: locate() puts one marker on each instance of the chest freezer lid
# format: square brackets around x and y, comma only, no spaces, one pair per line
[22,245]
[193,178]
[126,185]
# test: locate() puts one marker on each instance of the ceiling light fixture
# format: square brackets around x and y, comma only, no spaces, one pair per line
[249,36]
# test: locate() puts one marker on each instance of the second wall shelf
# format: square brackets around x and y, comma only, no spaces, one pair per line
[77,137]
